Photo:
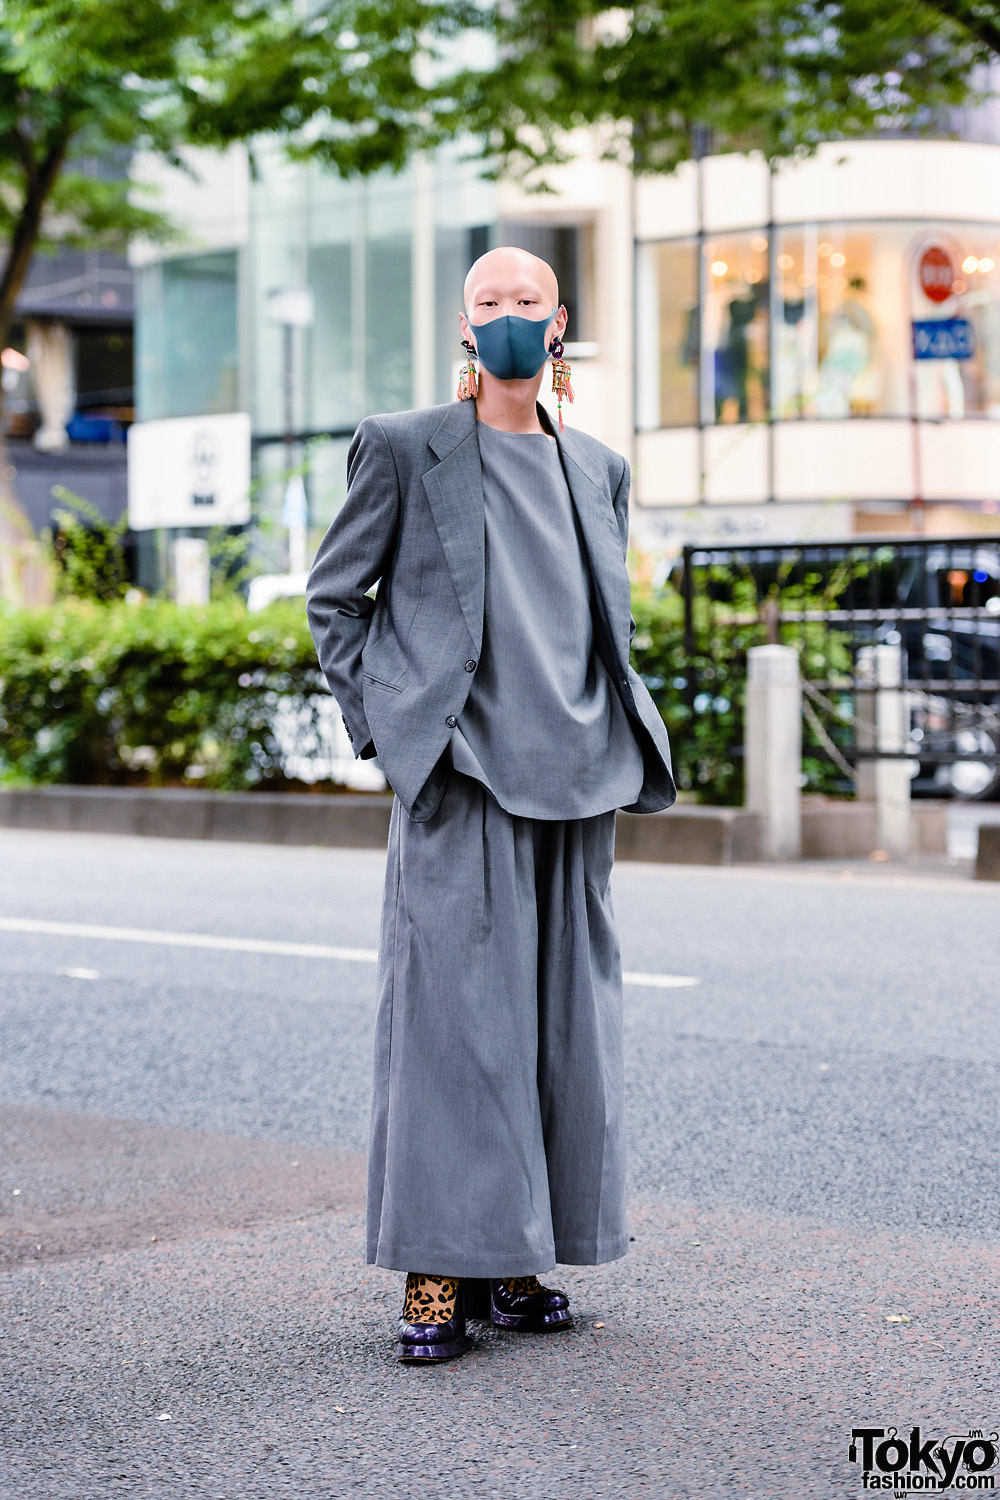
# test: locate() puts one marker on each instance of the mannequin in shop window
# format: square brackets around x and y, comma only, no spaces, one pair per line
[850,376]
[734,365]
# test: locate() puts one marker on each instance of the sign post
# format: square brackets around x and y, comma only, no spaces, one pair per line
[933,268]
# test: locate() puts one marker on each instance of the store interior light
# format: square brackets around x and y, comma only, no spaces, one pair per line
[719,268]
[13,359]
[958,286]
[824,248]
[754,275]
[986,264]
[970,263]
[838,258]
[786,262]
[758,243]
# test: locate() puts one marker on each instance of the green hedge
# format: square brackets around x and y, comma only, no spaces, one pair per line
[160,694]
[153,692]
[701,699]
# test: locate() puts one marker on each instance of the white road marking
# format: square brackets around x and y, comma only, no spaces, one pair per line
[78,973]
[186,939]
[250,945]
[658,981]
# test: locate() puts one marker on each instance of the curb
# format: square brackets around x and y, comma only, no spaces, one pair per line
[684,834]
[351,821]
[988,856]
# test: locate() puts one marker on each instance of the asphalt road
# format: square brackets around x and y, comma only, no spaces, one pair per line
[814,1190]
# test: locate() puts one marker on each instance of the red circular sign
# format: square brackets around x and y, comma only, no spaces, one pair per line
[937,274]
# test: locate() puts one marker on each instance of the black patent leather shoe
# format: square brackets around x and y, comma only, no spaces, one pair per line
[542,1310]
[429,1343]
[476,1298]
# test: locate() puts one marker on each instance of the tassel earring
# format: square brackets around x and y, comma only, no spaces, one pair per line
[562,382]
[468,384]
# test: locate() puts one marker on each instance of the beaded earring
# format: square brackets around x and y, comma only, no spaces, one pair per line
[562,384]
[468,385]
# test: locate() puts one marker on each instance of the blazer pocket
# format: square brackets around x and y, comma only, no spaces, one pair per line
[391,687]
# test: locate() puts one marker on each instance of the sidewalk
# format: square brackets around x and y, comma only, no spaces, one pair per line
[204,1350]
[921,869]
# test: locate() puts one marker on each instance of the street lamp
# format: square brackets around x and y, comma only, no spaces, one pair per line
[291,307]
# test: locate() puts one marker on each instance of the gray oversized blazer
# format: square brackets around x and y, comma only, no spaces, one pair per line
[401,665]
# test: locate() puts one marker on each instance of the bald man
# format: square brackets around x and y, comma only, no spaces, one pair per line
[490,674]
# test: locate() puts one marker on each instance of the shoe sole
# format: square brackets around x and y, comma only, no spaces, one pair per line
[436,1354]
[518,1323]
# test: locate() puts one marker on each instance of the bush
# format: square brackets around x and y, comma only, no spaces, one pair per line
[157,693]
[87,549]
[701,743]
[165,695]
[701,697]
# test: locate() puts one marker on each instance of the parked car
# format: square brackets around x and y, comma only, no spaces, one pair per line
[948,599]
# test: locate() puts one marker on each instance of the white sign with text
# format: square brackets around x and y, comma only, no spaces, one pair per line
[189,471]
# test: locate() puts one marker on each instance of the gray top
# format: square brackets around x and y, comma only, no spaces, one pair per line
[543,727]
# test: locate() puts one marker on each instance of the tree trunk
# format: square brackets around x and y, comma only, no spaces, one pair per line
[26,573]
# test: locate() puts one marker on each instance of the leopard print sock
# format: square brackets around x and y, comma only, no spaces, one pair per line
[429,1299]
[522,1286]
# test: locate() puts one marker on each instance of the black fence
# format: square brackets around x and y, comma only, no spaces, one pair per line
[936,599]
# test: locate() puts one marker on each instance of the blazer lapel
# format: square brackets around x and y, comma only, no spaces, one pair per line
[454,489]
[602,539]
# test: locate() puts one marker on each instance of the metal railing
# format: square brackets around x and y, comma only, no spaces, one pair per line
[937,600]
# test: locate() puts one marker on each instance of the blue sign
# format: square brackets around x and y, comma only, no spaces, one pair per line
[943,338]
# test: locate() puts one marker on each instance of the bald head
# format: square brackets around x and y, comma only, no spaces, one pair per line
[508,275]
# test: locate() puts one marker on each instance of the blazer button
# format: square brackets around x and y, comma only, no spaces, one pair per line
[451,721]
[470,665]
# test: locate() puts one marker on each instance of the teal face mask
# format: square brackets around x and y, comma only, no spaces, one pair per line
[512,348]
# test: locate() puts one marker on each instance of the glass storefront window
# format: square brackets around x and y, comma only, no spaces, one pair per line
[847,295]
[735,329]
[323,464]
[388,381]
[841,345]
[455,249]
[186,336]
[568,248]
[351,243]
[333,337]
[961,386]
[845,298]
[667,340]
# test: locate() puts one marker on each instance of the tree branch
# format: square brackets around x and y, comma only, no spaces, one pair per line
[983,26]
[28,226]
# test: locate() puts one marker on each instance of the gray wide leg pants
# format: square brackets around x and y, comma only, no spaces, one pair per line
[497,1143]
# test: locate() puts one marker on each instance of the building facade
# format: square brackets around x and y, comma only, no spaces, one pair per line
[747,338]
[823,341]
